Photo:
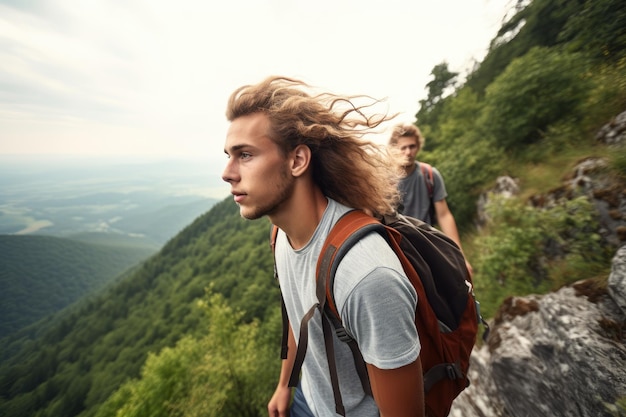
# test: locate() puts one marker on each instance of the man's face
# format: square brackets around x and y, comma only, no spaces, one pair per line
[408,147]
[257,170]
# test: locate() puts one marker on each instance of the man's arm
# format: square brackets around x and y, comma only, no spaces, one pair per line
[278,405]
[398,392]
[446,221]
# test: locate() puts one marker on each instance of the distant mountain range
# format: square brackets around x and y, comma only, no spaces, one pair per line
[69,226]
[146,202]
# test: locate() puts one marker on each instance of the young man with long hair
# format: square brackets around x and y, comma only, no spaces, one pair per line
[301,158]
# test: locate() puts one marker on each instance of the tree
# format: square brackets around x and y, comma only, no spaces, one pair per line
[599,28]
[443,83]
[443,80]
[537,23]
[537,90]
[229,371]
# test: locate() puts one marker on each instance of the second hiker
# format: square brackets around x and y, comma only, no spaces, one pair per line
[423,191]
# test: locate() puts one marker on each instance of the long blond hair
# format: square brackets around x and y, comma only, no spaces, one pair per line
[348,168]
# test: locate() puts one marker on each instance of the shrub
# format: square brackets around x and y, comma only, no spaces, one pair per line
[531,250]
[535,91]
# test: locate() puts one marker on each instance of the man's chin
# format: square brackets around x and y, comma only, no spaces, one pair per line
[248,213]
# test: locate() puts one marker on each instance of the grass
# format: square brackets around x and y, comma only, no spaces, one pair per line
[549,174]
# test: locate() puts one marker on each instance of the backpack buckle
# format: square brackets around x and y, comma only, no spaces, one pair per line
[454,371]
[343,335]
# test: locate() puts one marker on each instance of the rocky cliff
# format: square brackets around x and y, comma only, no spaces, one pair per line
[563,353]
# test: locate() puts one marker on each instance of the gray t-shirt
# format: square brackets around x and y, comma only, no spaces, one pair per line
[377,305]
[414,192]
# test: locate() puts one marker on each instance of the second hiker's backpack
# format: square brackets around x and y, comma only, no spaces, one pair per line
[446,317]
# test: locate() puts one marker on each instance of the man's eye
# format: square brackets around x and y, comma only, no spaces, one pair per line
[245,155]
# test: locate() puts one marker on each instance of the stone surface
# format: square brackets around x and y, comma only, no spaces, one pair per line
[613,132]
[561,354]
[617,279]
[505,186]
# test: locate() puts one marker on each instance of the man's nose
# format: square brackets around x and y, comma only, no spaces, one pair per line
[228,174]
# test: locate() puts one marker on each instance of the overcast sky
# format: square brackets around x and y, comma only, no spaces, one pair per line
[152,77]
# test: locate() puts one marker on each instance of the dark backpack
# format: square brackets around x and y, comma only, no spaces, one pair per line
[447,314]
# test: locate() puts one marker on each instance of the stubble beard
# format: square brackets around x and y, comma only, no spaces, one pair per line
[284,190]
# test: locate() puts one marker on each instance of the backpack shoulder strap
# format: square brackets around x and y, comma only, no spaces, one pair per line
[351,228]
[348,230]
[285,320]
[427,173]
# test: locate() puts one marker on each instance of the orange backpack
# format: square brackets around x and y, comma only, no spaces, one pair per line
[447,313]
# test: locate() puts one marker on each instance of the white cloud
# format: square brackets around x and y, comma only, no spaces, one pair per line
[153,77]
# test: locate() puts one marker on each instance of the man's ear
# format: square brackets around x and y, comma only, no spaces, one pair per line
[301,160]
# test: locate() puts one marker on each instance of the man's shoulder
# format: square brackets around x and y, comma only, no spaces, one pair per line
[369,253]
[335,210]
[426,165]
[433,168]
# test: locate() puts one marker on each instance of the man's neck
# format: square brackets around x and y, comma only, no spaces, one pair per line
[301,215]
[408,169]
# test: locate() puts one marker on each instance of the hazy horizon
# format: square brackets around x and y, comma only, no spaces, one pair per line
[157,81]
[205,173]
[69,195]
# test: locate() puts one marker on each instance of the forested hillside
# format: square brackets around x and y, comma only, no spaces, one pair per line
[554,74]
[195,330]
[40,275]
[99,343]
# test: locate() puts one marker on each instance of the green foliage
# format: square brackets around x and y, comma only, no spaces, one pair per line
[530,250]
[621,406]
[229,371]
[443,81]
[535,94]
[618,161]
[607,96]
[469,160]
[535,91]
[40,275]
[478,131]
[539,23]
[598,28]
[104,340]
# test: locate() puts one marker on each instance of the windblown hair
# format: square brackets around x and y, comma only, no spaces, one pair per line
[406,131]
[348,168]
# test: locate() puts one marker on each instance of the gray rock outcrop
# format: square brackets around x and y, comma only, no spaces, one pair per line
[560,354]
[614,132]
[505,186]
